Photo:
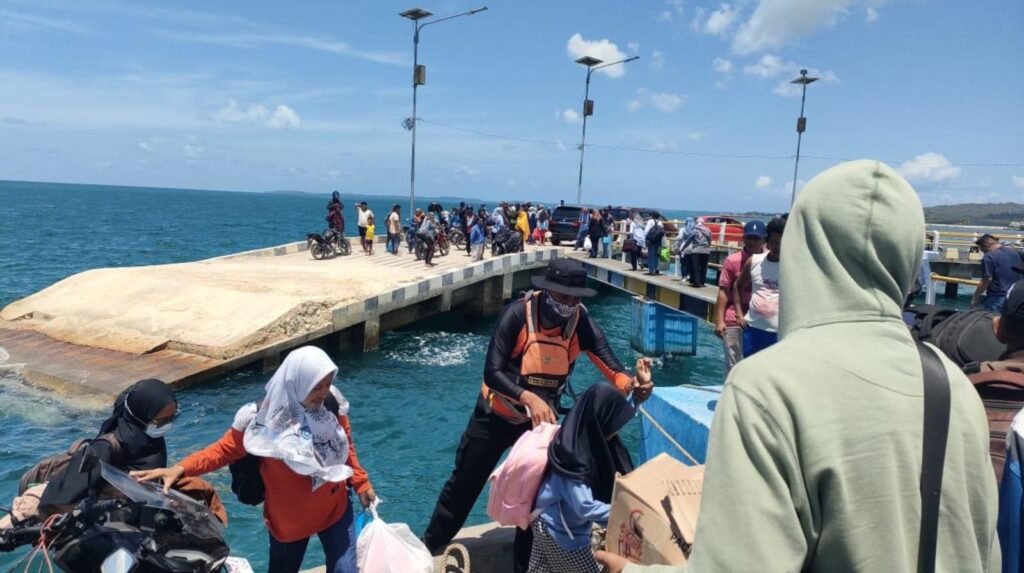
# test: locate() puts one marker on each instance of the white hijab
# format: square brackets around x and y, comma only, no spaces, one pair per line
[311,442]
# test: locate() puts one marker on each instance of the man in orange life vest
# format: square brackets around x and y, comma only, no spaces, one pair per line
[530,357]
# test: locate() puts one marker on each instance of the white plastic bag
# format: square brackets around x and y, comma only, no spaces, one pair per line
[384,548]
[586,243]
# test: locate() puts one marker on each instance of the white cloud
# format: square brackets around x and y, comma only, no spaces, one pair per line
[634,47]
[21,21]
[698,20]
[570,115]
[695,135]
[1018,181]
[768,66]
[510,183]
[722,65]
[634,104]
[284,117]
[667,102]
[929,167]
[673,11]
[234,113]
[763,182]
[192,151]
[103,164]
[720,22]
[259,40]
[603,49]
[466,170]
[657,60]
[775,23]
[870,14]
[146,146]
[281,117]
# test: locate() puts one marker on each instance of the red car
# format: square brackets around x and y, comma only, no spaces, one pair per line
[733,228]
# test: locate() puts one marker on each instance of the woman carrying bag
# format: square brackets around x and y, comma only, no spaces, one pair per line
[635,239]
[306,460]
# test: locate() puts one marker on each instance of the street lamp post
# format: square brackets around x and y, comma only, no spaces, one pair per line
[592,65]
[419,77]
[801,125]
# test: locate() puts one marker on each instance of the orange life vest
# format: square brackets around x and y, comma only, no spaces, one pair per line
[543,364]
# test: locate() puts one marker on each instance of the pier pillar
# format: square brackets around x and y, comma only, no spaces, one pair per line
[371,333]
[659,330]
[507,282]
[490,297]
[951,290]
[446,301]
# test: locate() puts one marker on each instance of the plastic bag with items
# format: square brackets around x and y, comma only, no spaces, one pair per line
[391,548]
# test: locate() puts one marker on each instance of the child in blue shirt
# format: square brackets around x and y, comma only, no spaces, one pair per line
[583,459]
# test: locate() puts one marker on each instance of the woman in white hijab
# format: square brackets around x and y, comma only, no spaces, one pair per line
[301,436]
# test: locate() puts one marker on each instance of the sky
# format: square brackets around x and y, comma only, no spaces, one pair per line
[311,96]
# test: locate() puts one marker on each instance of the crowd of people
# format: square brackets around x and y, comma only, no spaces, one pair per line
[821,439]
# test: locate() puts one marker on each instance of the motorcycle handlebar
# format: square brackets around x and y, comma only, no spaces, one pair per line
[11,539]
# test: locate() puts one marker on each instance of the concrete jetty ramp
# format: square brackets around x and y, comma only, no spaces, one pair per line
[100,330]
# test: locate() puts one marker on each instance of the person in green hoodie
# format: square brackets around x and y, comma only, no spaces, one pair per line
[814,458]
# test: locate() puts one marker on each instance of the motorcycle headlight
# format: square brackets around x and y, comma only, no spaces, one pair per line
[120,561]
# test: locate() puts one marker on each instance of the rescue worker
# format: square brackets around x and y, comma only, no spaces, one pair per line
[529,360]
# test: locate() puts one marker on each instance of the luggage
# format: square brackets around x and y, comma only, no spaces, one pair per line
[923,319]
[656,234]
[46,468]
[1001,387]
[515,483]
[654,512]
[391,548]
[967,336]
[629,245]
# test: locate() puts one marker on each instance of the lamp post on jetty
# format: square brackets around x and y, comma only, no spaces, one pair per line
[592,65]
[801,125]
[419,77]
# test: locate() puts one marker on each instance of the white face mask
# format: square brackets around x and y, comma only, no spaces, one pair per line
[154,431]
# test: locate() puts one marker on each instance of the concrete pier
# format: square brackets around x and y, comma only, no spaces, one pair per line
[664,288]
[98,331]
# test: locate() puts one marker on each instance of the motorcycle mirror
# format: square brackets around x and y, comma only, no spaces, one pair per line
[120,561]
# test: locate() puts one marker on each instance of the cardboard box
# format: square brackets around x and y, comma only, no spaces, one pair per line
[654,512]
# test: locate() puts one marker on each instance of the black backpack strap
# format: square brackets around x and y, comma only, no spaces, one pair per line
[936,431]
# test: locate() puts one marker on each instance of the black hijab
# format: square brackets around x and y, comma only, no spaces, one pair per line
[134,409]
[582,451]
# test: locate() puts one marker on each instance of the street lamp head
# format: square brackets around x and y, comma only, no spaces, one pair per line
[476,10]
[589,61]
[630,59]
[416,14]
[804,79]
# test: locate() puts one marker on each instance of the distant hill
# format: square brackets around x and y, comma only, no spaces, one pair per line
[983,214]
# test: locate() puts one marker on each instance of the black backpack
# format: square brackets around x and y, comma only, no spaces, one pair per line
[656,235]
[967,336]
[246,481]
[923,319]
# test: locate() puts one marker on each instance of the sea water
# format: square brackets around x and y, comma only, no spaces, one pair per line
[410,399]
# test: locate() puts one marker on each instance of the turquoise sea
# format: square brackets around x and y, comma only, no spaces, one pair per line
[410,399]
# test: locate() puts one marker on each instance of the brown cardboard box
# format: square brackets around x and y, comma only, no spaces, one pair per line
[654,512]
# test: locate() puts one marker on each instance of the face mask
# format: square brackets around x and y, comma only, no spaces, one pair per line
[154,431]
[561,309]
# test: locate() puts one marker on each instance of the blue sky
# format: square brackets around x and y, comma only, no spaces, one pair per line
[311,95]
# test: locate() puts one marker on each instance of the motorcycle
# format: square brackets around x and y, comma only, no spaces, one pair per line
[506,241]
[440,244]
[146,532]
[458,238]
[327,245]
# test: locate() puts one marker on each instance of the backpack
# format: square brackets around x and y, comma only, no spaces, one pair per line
[246,481]
[923,318]
[967,337]
[1001,387]
[656,234]
[46,468]
[515,483]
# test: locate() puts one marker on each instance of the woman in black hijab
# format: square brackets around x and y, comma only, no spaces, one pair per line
[142,414]
[583,459]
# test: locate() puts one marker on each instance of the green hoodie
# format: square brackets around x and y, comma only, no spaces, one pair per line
[814,456]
